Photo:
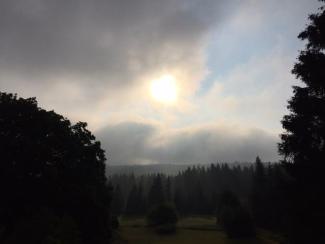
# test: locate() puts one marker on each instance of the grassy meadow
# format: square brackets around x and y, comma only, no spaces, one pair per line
[191,230]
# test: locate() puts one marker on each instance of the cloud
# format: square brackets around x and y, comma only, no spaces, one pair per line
[253,94]
[102,45]
[141,143]
[94,60]
[86,58]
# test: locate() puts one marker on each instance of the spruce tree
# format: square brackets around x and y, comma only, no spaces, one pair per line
[168,190]
[132,207]
[259,193]
[156,194]
[117,201]
[303,143]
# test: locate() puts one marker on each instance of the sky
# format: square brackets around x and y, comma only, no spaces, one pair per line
[159,81]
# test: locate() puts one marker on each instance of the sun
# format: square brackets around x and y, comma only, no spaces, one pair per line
[164,89]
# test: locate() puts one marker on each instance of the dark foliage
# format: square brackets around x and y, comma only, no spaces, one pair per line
[156,194]
[45,227]
[115,222]
[233,217]
[117,201]
[163,218]
[303,143]
[135,204]
[194,191]
[260,193]
[261,188]
[48,163]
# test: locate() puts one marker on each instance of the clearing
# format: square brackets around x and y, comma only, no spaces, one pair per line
[191,230]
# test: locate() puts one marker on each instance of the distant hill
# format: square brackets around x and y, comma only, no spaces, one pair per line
[168,169]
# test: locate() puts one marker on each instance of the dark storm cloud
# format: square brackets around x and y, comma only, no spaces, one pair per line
[136,143]
[109,41]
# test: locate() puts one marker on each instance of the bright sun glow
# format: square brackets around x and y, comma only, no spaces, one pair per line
[164,89]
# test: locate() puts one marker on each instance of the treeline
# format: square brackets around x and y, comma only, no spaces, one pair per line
[198,191]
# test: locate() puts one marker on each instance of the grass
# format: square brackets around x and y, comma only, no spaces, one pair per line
[192,230]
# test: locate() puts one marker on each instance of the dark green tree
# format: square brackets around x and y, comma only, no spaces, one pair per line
[117,201]
[156,193]
[168,190]
[163,217]
[259,193]
[233,217]
[132,207]
[141,200]
[178,200]
[303,143]
[48,163]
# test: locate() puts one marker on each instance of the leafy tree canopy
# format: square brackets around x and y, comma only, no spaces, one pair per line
[47,162]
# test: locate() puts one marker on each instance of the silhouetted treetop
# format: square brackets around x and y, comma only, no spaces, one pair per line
[47,162]
[314,33]
[305,136]
[303,143]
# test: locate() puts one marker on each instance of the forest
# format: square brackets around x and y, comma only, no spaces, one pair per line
[197,189]
[201,190]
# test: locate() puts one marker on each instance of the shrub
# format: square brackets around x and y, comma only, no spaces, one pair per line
[163,218]
[237,222]
[234,218]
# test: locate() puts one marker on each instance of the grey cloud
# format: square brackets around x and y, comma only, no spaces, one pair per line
[125,142]
[134,143]
[97,39]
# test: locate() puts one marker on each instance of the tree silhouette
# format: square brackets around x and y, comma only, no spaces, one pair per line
[163,217]
[117,201]
[259,193]
[168,190]
[48,163]
[156,193]
[193,191]
[303,143]
[132,207]
[233,217]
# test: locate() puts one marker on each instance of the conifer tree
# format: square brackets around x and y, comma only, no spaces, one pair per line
[156,193]
[117,201]
[259,192]
[303,143]
[131,204]
[168,190]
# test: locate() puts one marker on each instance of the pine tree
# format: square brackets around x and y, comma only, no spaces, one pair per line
[117,201]
[131,204]
[168,190]
[178,200]
[303,143]
[140,200]
[259,193]
[156,194]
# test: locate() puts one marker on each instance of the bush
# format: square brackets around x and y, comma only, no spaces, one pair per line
[234,218]
[163,218]
[237,222]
